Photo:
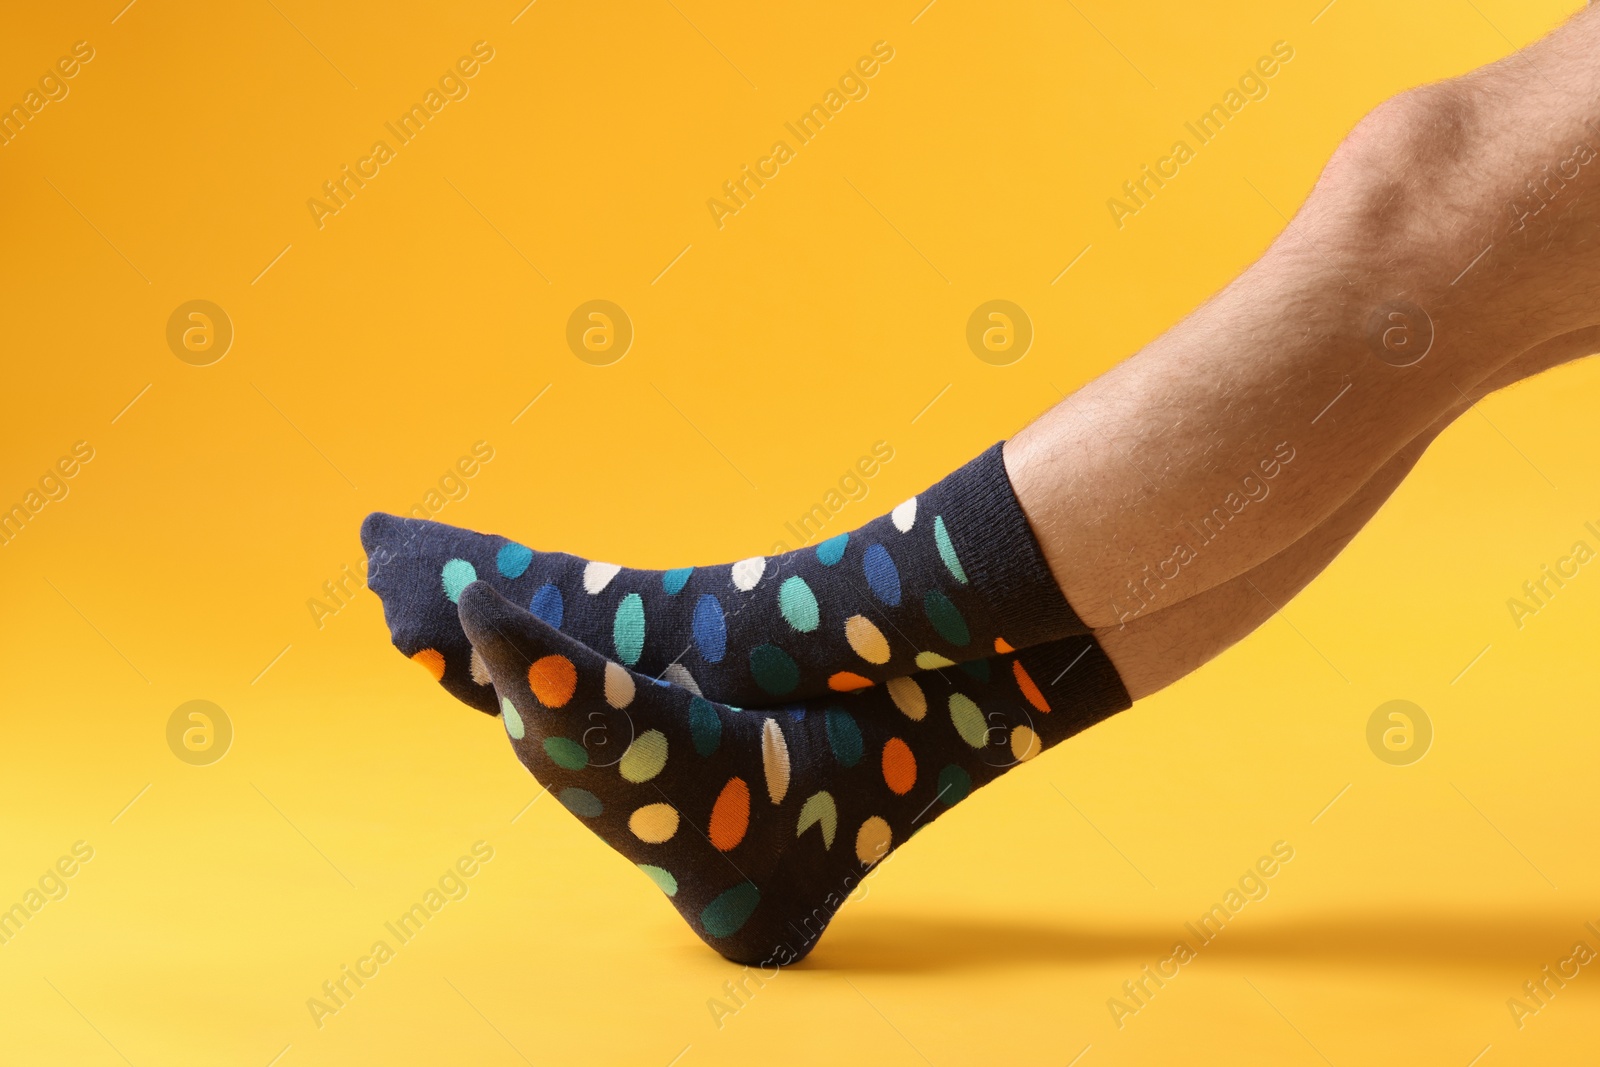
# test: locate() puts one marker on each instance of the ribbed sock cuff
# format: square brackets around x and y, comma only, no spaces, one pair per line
[1080,683]
[1009,567]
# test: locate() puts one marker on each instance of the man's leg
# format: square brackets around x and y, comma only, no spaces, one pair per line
[1158,648]
[1139,485]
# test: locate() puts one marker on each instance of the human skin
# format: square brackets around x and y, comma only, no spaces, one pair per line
[1157,649]
[1428,202]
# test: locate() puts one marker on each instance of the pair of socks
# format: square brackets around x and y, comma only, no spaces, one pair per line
[757,736]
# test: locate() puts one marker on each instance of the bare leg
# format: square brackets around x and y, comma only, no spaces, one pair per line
[1156,649]
[1120,480]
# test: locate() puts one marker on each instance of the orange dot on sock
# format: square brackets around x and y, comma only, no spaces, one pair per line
[1002,646]
[1029,690]
[899,766]
[431,661]
[845,681]
[552,679]
[730,815]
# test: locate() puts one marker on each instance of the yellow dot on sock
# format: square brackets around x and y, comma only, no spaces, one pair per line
[867,640]
[432,661]
[645,757]
[908,697]
[932,661]
[654,823]
[1025,744]
[873,840]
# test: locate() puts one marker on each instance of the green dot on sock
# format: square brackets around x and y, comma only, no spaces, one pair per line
[581,802]
[798,604]
[457,574]
[724,916]
[774,670]
[706,726]
[968,720]
[954,785]
[945,618]
[627,629]
[565,753]
[844,737]
[513,721]
[663,879]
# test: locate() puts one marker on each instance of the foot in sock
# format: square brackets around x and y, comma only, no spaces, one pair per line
[758,824]
[951,575]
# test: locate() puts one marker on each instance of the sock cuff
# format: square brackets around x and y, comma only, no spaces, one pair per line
[1010,567]
[1080,683]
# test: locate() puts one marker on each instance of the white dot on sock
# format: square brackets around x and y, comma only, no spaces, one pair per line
[905,516]
[747,572]
[679,675]
[596,576]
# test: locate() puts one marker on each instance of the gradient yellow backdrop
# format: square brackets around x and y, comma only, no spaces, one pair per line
[829,313]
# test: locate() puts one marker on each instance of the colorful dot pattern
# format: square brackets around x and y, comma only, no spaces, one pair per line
[850,611]
[748,819]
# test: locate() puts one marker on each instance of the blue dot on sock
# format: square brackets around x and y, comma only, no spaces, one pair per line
[547,606]
[882,576]
[457,575]
[674,580]
[710,629]
[831,551]
[513,559]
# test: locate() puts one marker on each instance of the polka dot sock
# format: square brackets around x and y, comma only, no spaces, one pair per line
[759,824]
[952,574]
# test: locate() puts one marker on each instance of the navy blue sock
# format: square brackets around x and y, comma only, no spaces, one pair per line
[951,575]
[759,824]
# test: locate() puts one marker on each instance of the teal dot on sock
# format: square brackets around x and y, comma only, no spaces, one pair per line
[831,551]
[844,737]
[627,629]
[513,721]
[724,916]
[663,879]
[954,785]
[565,753]
[674,580]
[947,550]
[798,604]
[977,668]
[705,725]
[581,803]
[774,670]
[513,559]
[457,575]
[945,618]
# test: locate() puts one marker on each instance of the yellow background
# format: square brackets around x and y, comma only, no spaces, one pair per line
[825,316]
